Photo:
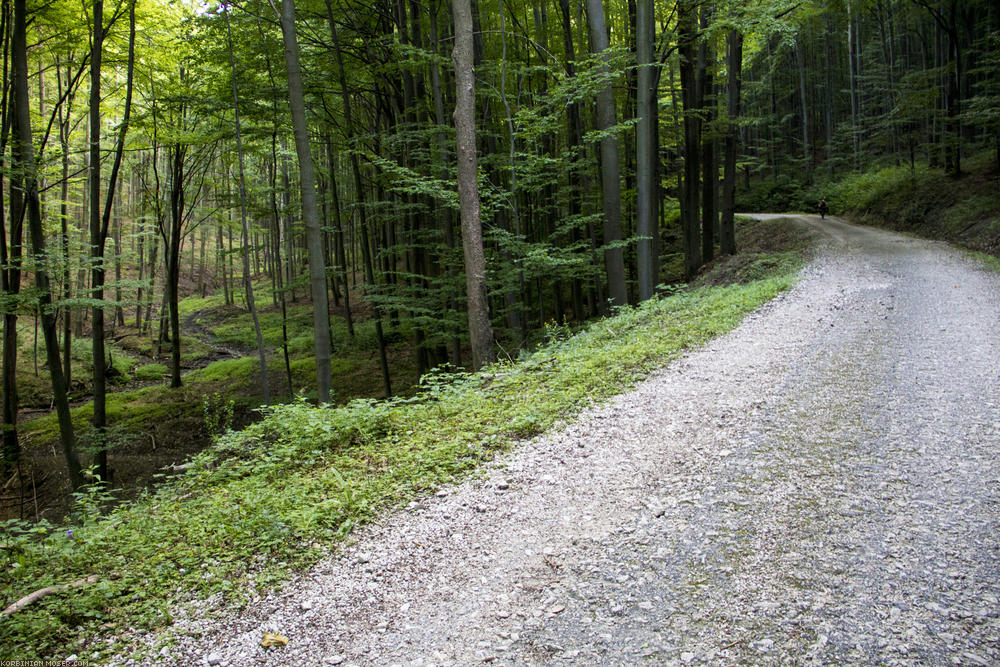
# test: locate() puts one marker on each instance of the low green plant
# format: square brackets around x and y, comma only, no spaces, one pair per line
[150,372]
[219,412]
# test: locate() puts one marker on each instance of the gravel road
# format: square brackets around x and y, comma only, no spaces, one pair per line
[820,486]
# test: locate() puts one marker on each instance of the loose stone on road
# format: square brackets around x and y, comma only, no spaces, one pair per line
[820,486]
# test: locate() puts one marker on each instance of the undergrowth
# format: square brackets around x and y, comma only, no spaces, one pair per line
[276,496]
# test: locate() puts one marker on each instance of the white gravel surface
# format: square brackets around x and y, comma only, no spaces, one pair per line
[820,486]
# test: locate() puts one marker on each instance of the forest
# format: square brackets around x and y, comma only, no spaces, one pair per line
[271,268]
[322,201]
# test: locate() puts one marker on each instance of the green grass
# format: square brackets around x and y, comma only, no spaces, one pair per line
[193,350]
[150,372]
[276,496]
[988,261]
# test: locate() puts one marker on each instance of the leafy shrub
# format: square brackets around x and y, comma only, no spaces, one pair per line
[775,195]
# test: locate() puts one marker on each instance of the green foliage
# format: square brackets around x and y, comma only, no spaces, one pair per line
[266,499]
[150,372]
[218,412]
[769,195]
[988,261]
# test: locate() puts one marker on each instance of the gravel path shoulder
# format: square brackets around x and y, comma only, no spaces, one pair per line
[820,486]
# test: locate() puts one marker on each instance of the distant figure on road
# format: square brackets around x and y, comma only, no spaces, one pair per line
[823,208]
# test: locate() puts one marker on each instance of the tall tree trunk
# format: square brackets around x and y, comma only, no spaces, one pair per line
[614,258]
[447,217]
[10,283]
[734,65]
[828,92]
[339,250]
[172,251]
[480,327]
[646,152]
[852,73]
[310,211]
[10,278]
[709,168]
[801,62]
[65,112]
[97,246]
[100,220]
[574,134]
[24,162]
[687,25]
[247,282]
[278,275]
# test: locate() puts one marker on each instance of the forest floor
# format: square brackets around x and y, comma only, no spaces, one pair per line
[816,487]
[155,428]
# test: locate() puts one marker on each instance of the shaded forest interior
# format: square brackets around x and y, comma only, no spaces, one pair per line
[206,209]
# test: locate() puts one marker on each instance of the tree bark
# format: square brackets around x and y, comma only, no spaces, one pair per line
[100,219]
[24,160]
[709,168]
[646,153]
[687,23]
[852,74]
[247,282]
[310,211]
[480,327]
[607,116]
[734,65]
[366,253]
[801,62]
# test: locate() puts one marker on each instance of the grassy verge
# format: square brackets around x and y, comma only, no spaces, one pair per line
[276,496]
[988,261]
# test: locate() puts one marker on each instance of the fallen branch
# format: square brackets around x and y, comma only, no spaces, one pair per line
[39,594]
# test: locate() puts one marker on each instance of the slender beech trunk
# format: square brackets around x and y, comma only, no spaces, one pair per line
[687,23]
[734,65]
[447,217]
[10,280]
[339,250]
[480,327]
[171,249]
[97,245]
[24,161]
[100,220]
[800,59]
[607,117]
[65,112]
[310,211]
[646,152]
[852,74]
[828,92]
[709,168]
[247,282]
[278,275]
[574,138]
